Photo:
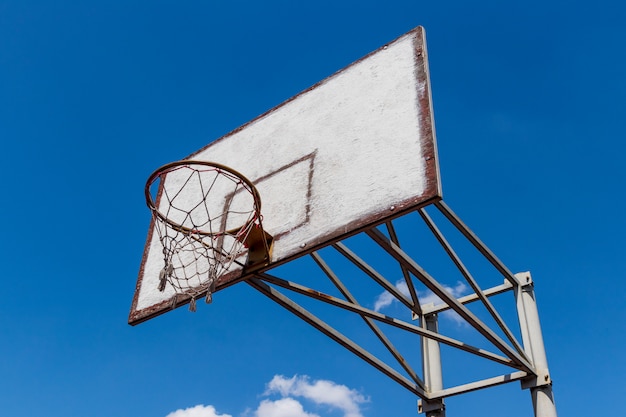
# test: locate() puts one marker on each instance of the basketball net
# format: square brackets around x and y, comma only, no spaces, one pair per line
[204,214]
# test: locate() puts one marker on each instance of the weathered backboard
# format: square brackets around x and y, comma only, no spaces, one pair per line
[352,151]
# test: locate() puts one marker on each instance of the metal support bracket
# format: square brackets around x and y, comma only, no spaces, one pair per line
[524,279]
[260,245]
[541,379]
[436,407]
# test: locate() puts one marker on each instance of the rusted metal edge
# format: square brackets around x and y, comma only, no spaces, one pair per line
[139,316]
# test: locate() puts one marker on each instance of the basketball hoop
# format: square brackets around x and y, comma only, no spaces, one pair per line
[207,217]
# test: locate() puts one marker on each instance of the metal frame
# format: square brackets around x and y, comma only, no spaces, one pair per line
[527,360]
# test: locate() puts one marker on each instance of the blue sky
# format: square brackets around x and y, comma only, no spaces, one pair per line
[528,102]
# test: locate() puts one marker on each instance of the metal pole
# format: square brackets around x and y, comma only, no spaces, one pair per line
[432,370]
[541,385]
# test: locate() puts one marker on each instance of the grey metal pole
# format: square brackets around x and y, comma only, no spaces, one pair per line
[541,385]
[431,362]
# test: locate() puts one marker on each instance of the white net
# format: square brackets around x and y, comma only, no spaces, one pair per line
[203,216]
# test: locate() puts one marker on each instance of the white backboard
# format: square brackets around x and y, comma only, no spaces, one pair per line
[354,150]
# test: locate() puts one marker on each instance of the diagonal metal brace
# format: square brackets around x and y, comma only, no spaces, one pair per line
[454,304]
[320,325]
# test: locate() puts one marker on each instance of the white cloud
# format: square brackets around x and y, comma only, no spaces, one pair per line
[385,299]
[285,407]
[458,290]
[334,396]
[427,297]
[321,392]
[197,411]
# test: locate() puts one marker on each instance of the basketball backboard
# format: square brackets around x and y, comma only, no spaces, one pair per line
[351,152]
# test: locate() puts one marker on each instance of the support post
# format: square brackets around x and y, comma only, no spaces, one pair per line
[541,384]
[431,362]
